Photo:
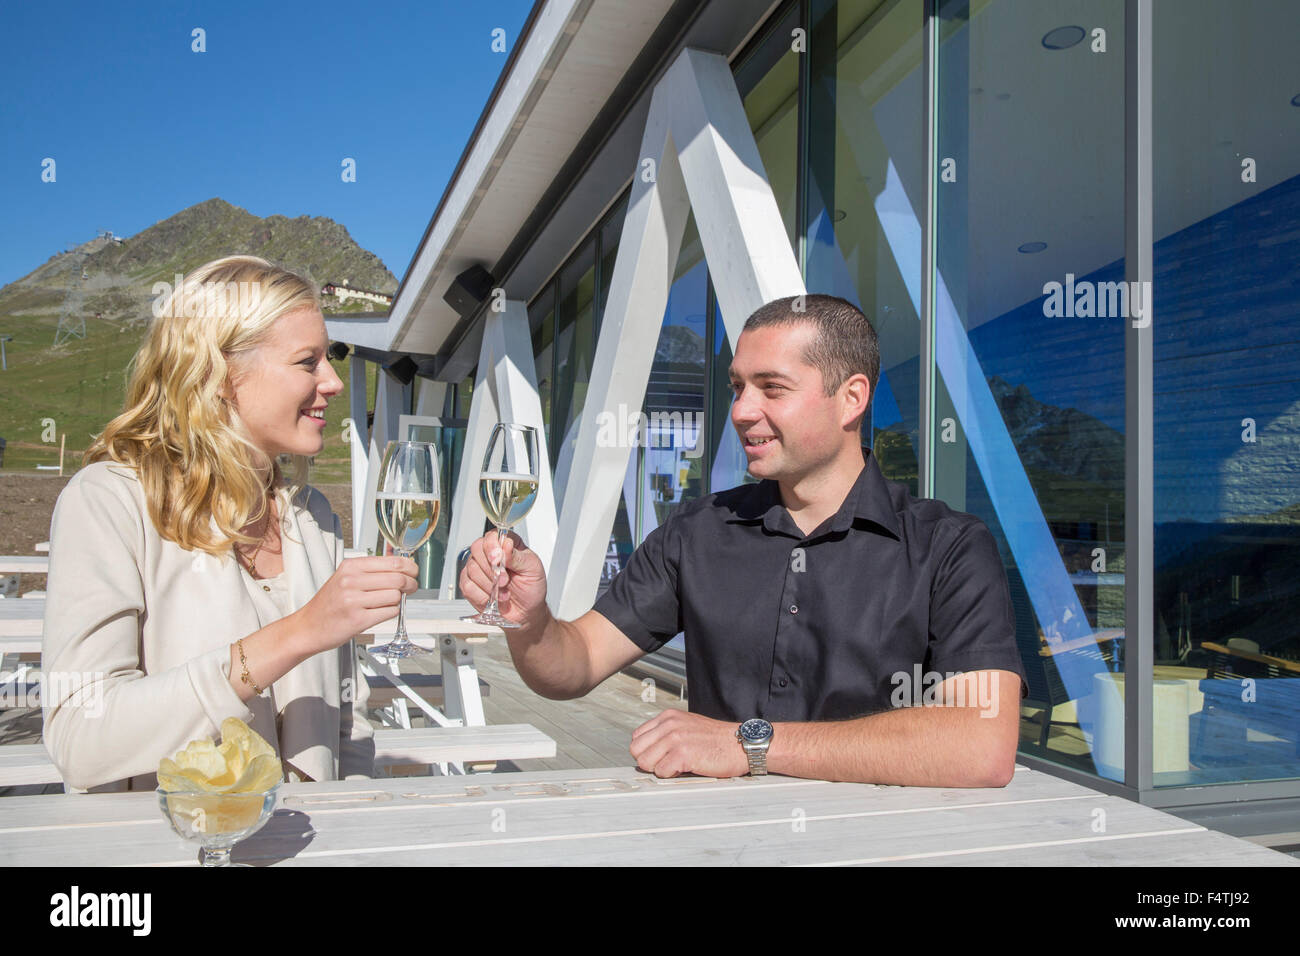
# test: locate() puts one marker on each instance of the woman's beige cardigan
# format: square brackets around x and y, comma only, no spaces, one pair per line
[136,648]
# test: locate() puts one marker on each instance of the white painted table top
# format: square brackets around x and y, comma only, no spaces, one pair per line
[622,816]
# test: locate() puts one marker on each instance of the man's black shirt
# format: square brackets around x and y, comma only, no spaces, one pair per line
[795,627]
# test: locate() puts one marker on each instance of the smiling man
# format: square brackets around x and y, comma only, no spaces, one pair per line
[815,602]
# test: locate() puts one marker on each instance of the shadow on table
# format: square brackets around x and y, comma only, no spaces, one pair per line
[285,835]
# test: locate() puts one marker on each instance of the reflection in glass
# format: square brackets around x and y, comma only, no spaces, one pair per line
[673,443]
[541,319]
[575,347]
[1029,413]
[866,108]
[1227,416]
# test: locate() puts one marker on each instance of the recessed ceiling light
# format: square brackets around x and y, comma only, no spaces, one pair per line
[1062,38]
[1031,247]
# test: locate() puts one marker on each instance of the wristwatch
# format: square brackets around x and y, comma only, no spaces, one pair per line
[755,736]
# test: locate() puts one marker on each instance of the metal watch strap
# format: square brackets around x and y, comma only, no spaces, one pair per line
[757,760]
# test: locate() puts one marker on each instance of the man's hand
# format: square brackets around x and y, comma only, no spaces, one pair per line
[522,579]
[678,742]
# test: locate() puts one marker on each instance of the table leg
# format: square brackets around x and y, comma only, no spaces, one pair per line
[461,696]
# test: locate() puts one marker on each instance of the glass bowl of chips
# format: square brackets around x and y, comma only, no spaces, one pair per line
[216,795]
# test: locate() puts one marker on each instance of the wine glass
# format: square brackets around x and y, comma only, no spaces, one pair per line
[407,502]
[507,488]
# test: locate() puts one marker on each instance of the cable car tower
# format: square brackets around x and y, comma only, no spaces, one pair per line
[72,320]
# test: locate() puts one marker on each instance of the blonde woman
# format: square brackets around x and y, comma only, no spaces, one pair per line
[189,581]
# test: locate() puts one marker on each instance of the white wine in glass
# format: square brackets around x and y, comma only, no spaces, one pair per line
[507,488]
[407,503]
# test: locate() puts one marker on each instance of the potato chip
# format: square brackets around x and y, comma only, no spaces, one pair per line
[242,763]
[215,813]
[202,755]
[262,774]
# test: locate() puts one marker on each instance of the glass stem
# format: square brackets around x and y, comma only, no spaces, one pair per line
[401,640]
[217,856]
[496,571]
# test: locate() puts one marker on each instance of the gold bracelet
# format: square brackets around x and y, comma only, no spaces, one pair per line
[246,677]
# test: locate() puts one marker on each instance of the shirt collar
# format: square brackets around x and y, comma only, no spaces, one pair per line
[868,499]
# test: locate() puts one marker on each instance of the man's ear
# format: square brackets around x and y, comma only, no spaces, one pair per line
[857,392]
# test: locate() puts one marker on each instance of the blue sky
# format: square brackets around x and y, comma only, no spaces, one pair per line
[140,126]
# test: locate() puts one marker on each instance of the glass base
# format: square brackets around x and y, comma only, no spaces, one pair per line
[495,620]
[398,650]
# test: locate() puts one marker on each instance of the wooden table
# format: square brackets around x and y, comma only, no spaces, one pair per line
[624,817]
[1265,659]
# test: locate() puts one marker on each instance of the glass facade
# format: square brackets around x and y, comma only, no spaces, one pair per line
[1029,412]
[1004,386]
[1227,409]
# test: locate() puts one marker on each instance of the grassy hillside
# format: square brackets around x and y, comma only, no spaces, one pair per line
[81,385]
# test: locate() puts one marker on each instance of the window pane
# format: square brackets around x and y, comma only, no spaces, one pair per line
[610,234]
[1227,416]
[674,404]
[1029,339]
[541,319]
[866,184]
[575,346]
[622,538]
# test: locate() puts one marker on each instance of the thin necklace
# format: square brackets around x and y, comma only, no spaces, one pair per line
[252,559]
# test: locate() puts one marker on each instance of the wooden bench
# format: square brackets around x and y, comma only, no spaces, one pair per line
[24,764]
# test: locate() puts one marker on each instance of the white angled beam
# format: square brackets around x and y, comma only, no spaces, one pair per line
[430,397]
[391,402]
[506,339]
[697,109]
[466,511]
[359,441]
[745,242]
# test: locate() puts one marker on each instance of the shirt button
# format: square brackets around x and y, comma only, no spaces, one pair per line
[794,608]
[782,682]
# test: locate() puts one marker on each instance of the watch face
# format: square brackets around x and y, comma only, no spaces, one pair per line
[756,729]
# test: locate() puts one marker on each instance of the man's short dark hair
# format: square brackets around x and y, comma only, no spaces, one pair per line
[845,344]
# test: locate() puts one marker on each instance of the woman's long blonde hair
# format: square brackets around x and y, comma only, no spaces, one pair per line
[184,440]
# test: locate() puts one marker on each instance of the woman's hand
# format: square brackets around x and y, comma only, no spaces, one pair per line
[363,592]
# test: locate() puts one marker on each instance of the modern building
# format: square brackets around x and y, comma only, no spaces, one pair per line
[1075,226]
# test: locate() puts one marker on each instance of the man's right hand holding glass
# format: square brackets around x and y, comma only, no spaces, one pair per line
[522,580]
[557,659]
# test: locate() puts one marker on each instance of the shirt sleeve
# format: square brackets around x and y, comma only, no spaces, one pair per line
[105,719]
[972,624]
[356,735]
[642,600]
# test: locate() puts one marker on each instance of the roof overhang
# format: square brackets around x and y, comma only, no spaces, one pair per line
[555,146]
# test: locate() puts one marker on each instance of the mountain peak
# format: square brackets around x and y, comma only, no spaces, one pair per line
[114,280]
